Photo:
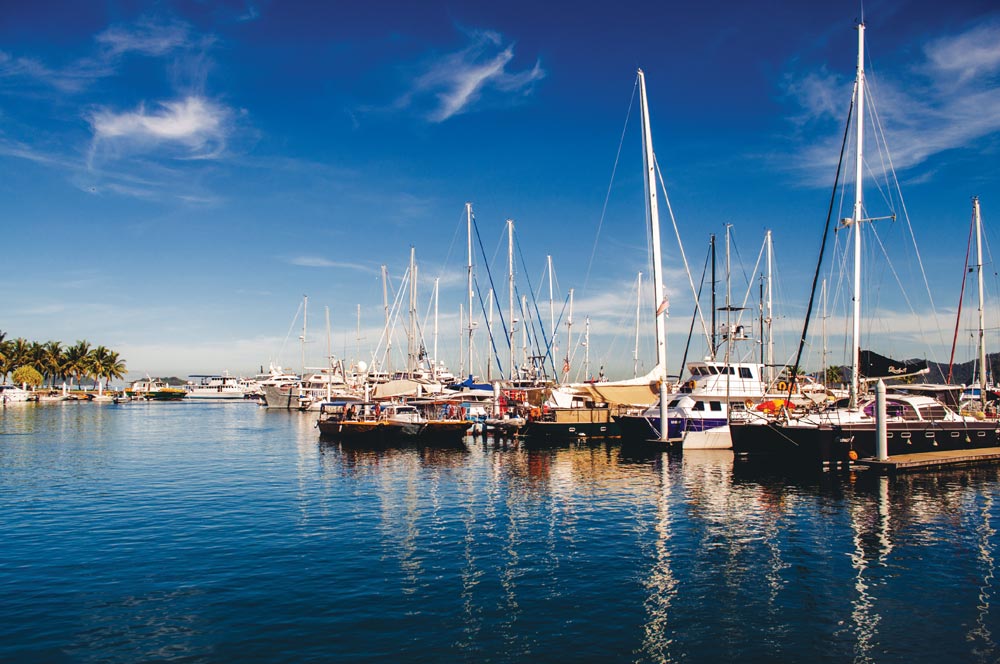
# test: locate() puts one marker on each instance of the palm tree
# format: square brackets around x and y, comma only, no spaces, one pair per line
[115,367]
[97,364]
[5,356]
[75,364]
[18,354]
[53,351]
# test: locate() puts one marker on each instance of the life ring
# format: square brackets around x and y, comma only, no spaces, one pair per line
[749,404]
[782,386]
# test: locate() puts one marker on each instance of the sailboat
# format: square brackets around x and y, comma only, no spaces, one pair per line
[643,390]
[846,431]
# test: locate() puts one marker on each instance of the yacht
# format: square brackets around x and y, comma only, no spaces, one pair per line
[14,394]
[216,387]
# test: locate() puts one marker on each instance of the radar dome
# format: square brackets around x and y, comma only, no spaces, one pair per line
[362,366]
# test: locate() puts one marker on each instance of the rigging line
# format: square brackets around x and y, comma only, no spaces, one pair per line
[909,227]
[694,314]
[290,328]
[961,298]
[822,249]
[489,273]
[493,343]
[607,196]
[687,269]
[892,270]
[750,285]
[534,301]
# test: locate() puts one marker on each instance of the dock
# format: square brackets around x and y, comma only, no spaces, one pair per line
[934,460]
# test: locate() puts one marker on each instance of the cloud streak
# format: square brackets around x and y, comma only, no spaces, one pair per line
[196,123]
[454,83]
[947,100]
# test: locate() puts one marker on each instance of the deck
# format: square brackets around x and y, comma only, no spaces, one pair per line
[934,460]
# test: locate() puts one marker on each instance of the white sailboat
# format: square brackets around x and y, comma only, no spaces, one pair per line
[642,390]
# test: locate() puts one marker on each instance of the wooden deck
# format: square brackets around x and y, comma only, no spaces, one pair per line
[933,460]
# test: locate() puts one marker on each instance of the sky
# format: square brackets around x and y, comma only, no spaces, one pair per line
[179,175]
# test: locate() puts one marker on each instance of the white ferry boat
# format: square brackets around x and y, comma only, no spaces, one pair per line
[216,387]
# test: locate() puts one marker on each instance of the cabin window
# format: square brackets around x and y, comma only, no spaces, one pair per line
[745,372]
[894,409]
[698,406]
[737,406]
[673,404]
[715,405]
[714,370]
[731,371]
[933,412]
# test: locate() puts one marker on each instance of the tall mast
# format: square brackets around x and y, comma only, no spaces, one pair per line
[305,315]
[569,335]
[489,330]
[982,317]
[510,289]
[552,313]
[385,306]
[860,126]
[715,342]
[729,308]
[524,329]
[823,297]
[468,224]
[638,307]
[461,349]
[770,333]
[329,356]
[649,163]
[434,360]
[586,348]
[412,348]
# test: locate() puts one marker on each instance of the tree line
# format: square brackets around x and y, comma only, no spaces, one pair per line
[51,361]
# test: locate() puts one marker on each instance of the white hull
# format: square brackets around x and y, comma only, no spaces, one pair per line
[711,439]
[230,395]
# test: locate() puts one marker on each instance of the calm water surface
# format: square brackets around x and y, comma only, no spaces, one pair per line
[224,532]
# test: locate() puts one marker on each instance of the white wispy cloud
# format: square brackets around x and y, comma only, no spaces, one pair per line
[451,84]
[948,99]
[71,78]
[320,262]
[198,124]
[146,36]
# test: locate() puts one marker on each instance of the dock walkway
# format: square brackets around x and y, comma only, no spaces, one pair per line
[931,460]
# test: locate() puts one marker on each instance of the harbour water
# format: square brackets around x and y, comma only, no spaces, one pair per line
[223,532]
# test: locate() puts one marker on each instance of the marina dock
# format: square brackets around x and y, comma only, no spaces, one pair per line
[934,460]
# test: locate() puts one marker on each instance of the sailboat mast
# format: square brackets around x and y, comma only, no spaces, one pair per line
[569,336]
[860,127]
[770,333]
[823,297]
[468,223]
[638,309]
[385,306]
[982,317]
[649,163]
[489,329]
[552,311]
[305,316]
[412,341]
[329,356]
[715,343]
[434,360]
[586,348]
[510,289]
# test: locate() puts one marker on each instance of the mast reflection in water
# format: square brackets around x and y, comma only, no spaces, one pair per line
[226,532]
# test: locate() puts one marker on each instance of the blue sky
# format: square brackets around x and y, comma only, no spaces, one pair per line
[178,175]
